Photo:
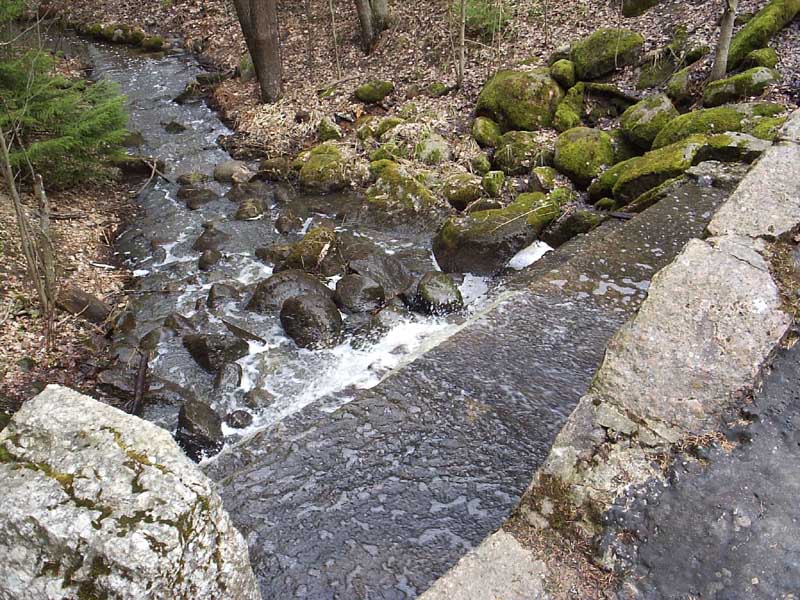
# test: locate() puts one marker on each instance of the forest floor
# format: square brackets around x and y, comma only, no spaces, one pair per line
[414,53]
[84,248]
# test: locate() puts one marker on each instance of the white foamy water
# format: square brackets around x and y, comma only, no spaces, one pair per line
[529,255]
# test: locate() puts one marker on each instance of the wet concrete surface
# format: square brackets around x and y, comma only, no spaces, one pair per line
[378,498]
[726,526]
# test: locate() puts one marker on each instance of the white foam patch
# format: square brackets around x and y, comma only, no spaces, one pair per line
[527,256]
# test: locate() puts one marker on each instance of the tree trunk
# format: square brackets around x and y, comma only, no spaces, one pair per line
[259,21]
[373,16]
[724,44]
[380,15]
[462,58]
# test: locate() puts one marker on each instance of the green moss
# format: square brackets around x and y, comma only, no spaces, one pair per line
[582,154]
[374,91]
[678,87]
[743,85]
[763,57]
[438,89]
[535,208]
[432,149]
[395,189]
[544,178]
[366,127]
[563,71]
[562,196]
[518,152]
[480,163]
[519,100]
[604,51]
[766,128]
[603,185]
[95,30]
[656,167]
[569,111]
[153,43]
[461,189]
[650,197]
[486,132]
[739,117]
[623,147]
[387,124]
[387,151]
[760,29]
[329,130]
[493,183]
[376,167]
[606,204]
[325,169]
[643,121]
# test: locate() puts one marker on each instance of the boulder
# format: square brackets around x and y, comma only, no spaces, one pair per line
[582,154]
[438,294]
[312,321]
[643,121]
[250,209]
[75,301]
[196,197]
[763,57]
[432,149]
[480,163]
[563,71]
[199,430]
[739,87]
[233,171]
[211,351]
[570,110]
[374,91]
[461,189]
[239,419]
[95,503]
[543,179]
[679,88]
[317,252]
[208,259]
[486,132]
[520,100]
[493,183]
[776,15]
[271,293]
[570,225]
[366,258]
[328,130]
[519,151]
[357,294]
[605,51]
[324,169]
[482,242]
[211,238]
[634,8]
[758,119]
[396,191]
[219,294]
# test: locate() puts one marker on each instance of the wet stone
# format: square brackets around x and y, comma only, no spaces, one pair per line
[271,293]
[212,351]
[211,239]
[199,430]
[312,321]
[275,254]
[367,259]
[220,293]
[149,341]
[196,197]
[208,259]
[177,323]
[437,294]
[229,377]
[356,293]
[258,399]
[288,222]
[239,419]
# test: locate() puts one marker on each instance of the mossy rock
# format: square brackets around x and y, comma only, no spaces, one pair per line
[315,253]
[249,209]
[328,130]
[776,15]
[570,109]
[374,91]
[543,179]
[733,117]
[764,57]
[386,125]
[765,128]
[603,186]
[486,132]
[605,101]
[678,87]
[642,122]
[278,168]
[657,166]
[461,189]
[583,153]
[432,149]
[493,183]
[366,127]
[732,147]
[519,151]
[397,191]
[480,163]
[387,151]
[738,87]
[153,43]
[634,8]
[324,170]
[604,51]
[438,89]
[376,167]
[606,204]
[623,147]
[660,65]
[519,100]
[563,71]
[482,242]
[572,224]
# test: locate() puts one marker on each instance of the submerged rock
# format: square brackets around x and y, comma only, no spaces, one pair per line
[211,238]
[271,293]
[520,100]
[438,294]
[312,321]
[211,351]
[199,430]
[356,293]
[95,503]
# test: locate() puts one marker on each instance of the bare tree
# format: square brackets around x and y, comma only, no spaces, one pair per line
[373,16]
[259,21]
[724,43]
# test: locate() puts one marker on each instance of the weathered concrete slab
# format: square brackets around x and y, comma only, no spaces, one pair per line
[499,569]
[382,496]
[765,204]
